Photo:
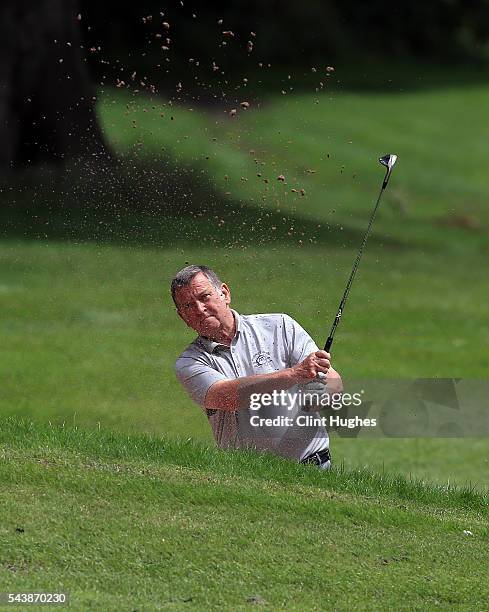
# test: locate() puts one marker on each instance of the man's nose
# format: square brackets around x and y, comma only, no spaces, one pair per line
[201,308]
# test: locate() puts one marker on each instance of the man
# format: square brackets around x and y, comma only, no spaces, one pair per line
[236,356]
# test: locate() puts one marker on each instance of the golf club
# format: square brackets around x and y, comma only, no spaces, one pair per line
[388,161]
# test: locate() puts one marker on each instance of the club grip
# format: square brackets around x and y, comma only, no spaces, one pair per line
[328,344]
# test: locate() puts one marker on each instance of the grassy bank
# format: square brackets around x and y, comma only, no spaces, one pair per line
[148,523]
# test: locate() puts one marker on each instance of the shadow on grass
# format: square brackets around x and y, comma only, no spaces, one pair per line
[131,202]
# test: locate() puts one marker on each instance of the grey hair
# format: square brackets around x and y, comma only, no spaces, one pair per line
[185,276]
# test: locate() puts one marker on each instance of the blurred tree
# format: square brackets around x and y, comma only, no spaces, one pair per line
[46,100]
[287,32]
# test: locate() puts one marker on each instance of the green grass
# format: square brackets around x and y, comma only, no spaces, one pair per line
[328,144]
[89,334]
[140,522]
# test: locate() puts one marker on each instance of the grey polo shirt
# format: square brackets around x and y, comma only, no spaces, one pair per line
[263,343]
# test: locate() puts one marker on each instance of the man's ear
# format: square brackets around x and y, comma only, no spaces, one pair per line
[225,293]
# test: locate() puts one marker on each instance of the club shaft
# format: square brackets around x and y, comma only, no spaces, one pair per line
[341,307]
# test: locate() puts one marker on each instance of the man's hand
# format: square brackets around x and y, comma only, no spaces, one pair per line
[234,394]
[313,366]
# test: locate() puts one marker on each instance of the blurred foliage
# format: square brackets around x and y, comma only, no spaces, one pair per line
[132,36]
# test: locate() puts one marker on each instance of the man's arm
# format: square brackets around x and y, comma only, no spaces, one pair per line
[234,394]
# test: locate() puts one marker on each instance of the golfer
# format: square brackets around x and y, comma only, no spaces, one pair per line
[237,357]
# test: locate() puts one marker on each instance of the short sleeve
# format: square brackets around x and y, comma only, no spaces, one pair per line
[299,342]
[196,377]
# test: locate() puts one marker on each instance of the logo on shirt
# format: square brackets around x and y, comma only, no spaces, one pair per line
[261,359]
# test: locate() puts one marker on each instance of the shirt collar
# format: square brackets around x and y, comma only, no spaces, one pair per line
[211,345]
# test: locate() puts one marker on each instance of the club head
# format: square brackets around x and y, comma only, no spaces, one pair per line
[388,161]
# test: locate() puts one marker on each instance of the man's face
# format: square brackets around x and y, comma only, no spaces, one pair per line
[203,307]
